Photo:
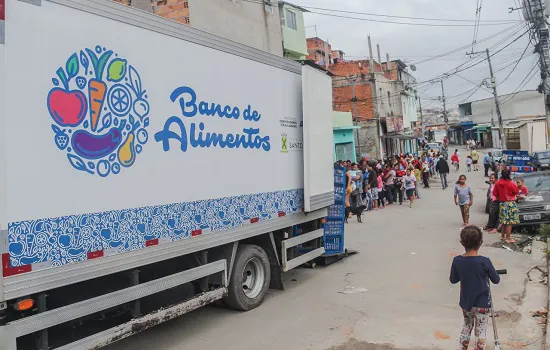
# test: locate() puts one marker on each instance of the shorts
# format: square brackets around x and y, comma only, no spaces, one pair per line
[374,193]
[509,213]
[474,161]
[410,192]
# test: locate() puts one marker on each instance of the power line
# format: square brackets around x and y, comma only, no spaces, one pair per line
[466,46]
[479,5]
[517,63]
[458,69]
[407,23]
[393,16]
[521,85]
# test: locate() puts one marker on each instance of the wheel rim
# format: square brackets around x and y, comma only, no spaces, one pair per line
[253,278]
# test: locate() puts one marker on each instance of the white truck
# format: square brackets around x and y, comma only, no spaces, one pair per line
[148,169]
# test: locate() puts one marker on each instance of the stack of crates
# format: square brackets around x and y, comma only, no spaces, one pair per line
[334,222]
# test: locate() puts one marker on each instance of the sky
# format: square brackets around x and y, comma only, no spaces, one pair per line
[413,44]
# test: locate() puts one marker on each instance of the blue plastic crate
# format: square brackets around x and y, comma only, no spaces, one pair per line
[334,225]
[334,245]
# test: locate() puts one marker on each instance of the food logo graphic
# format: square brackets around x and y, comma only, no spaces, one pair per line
[100,112]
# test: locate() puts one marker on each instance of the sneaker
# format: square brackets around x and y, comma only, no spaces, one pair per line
[410,205]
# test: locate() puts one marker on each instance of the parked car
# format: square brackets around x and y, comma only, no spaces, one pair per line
[496,159]
[436,148]
[432,145]
[535,209]
[541,160]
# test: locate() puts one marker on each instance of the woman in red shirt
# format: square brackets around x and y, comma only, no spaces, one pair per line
[506,192]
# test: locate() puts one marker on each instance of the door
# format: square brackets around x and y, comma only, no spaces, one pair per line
[345,151]
[318,139]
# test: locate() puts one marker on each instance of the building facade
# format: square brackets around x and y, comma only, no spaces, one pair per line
[344,136]
[250,23]
[477,119]
[293,31]
[386,108]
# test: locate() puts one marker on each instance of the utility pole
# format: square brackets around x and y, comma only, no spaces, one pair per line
[495,95]
[354,100]
[375,97]
[421,114]
[445,118]
[536,13]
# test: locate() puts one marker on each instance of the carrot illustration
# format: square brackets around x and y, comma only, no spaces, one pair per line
[97,89]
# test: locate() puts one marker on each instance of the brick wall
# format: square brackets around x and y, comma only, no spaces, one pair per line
[315,44]
[368,138]
[341,99]
[177,10]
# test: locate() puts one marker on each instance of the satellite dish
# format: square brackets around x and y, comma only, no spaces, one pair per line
[413,67]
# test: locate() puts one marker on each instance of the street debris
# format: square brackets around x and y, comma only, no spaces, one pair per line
[353,290]
[538,274]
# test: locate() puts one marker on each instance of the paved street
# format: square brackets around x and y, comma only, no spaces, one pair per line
[395,292]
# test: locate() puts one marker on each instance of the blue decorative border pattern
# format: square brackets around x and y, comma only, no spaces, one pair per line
[69,239]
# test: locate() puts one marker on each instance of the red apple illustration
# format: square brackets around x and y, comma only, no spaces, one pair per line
[67,108]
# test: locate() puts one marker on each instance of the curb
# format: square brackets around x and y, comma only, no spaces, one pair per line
[540,248]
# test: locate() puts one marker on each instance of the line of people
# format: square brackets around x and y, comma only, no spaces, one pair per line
[378,184]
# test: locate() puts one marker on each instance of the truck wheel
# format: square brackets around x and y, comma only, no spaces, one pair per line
[250,278]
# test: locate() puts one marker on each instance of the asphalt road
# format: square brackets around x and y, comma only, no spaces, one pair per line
[394,293]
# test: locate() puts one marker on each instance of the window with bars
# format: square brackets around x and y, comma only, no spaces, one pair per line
[187,20]
[186,4]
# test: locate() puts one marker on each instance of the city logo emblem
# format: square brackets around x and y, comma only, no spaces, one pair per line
[284,147]
[100,112]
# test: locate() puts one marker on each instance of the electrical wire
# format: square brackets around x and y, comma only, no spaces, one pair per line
[521,85]
[261,2]
[479,5]
[466,46]
[517,63]
[406,23]
[458,69]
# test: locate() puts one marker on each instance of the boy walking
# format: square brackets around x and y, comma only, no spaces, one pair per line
[473,271]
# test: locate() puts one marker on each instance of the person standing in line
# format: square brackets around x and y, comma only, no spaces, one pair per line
[409,183]
[418,175]
[473,271]
[355,179]
[464,198]
[487,163]
[492,223]
[443,169]
[372,186]
[475,159]
[506,191]
[426,174]
[380,188]
[469,162]
[389,179]
[398,185]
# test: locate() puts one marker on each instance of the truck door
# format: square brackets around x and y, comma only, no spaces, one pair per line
[318,139]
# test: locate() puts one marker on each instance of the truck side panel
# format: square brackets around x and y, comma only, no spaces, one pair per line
[122,138]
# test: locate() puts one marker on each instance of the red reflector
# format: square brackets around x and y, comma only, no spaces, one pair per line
[254,220]
[95,255]
[196,233]
[282,213]
[2,10]
[152,242]
[7,270]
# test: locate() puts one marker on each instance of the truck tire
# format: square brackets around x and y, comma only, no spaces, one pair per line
[249,281]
